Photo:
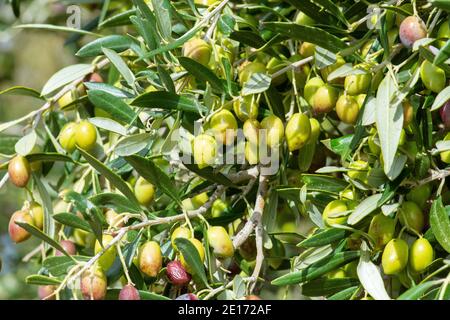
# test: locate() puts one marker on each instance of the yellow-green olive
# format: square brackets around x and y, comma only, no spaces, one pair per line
[19,171]
[251,130]
[336,274]
[381,229]
[421,254]
[360,170]
[307,49]
[37,212]
[331,213]
[144,191]
[180,232]
[443,33]
[445,156]
[324,100]
[311,88]
[247,69]
[347,109]
[85,135]
[298,131]
[325,72]
[411,216]
[274,130]
[150,258]
[273,66]
[251,153]
[395,256]
[357,83]
[67,137]
[374,144]
[224,125]
[205,150]
[220,241]
[218,208]
[303,19]
[198,50]
[433,77]
[17,233]
[107,258]
[246,108]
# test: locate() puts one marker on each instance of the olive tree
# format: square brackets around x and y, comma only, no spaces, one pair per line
[209,149]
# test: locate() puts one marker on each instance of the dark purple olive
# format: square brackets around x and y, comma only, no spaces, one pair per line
[177,274]
[445,114]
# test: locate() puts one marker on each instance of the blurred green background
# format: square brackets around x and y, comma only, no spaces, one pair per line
[28,57]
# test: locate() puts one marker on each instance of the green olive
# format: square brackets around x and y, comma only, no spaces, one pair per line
[360,170]
[17,233]
[150,258]
[224,125]
[246,108]
[351,269]
[307,49]
[412,216]
[433,77]
[273,66]
[247,69]
[251,130]
[304,20]
[67,137]
[298,131]
[325,98]
[274,130]
[325,72]
[66,99]
[311,88]
[19,171]
[218,208]
[381,229]
[300,74]
[94,283]
[333,208]
[251,153]
[357,83]
[395,256]
[347,109]
[180,232]
[220,241]
[85,135]
[445,156]
[443,33]
[421,255]
[107,259]
[144,191]
[336,274]
[37,212]
[201,252]
[420,195]
[83,238]
[198,50]
[374,144]
[205,150]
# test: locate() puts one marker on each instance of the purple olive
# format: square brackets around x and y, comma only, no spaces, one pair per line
[177,274]
[129,292]
[445,114]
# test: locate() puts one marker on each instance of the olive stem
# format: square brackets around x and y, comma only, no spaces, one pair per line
[32,253]
[292,66]
[124,265]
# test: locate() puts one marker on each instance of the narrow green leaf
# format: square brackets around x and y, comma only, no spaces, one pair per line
[120,65]
[39,234]
[324,287]
[115,201]
[66,76]
[202,73]
[152,173]
[323,238]
[72,220]
[440,224]
[21,91]
[192,257]
[114,42]
[40,280]
[169,101]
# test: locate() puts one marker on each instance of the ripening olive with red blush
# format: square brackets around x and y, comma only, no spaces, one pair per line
[129,292]
[411,30]
[177,274]
[68,246]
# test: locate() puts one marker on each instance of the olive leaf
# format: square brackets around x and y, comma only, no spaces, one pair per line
[192,257]
[41,280]
[440,224]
